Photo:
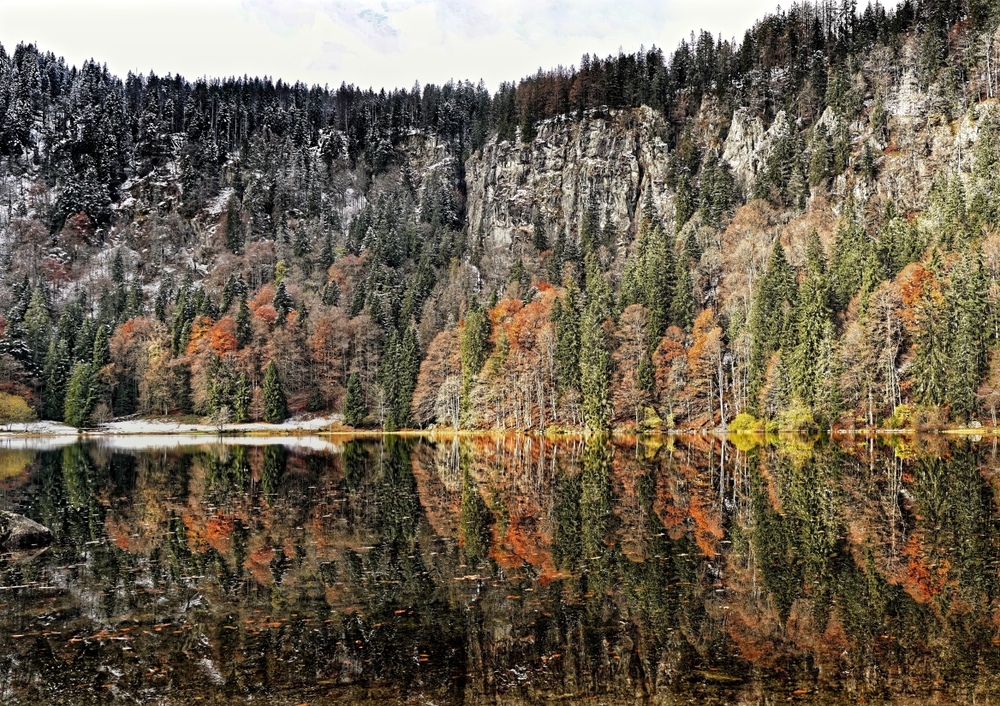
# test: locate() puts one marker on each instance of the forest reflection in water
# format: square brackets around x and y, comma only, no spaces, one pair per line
[503,570]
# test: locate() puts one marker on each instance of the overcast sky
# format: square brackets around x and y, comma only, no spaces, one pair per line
[367,42]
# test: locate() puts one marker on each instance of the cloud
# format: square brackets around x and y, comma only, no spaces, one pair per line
[378,43]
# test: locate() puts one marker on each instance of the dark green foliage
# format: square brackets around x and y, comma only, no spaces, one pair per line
[854,263]
[682,301]
[474,347]
[566,316]
[782,180]
[595,354]
[242,399]
[539,238]
[282,303]
[235,235]
[79,401]
[813,328]
[967,305]
[275,402]
[772,311]
[56,376]
[102,349]
[685,204]
[331,293]
[355,409]
[244,328]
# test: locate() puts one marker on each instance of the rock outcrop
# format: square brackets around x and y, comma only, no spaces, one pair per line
[18,533]
[604,161]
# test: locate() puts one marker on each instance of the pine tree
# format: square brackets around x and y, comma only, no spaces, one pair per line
[37,326]
[235,237]
[355,409]
[244,329]
[275,402]
[331,293]
[595,369]
[811,323]
[966,307]
[595,354]
[79,396]
[474,348]
[773,303]
[55,375]
[539,239]
[566,317]
[102,348]
[658,270]
[118,268]
[242,399]
[682,302]
[282,302]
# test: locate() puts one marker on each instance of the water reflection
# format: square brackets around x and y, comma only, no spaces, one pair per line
[503,569]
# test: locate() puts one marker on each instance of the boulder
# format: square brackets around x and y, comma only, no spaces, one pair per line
[18,533]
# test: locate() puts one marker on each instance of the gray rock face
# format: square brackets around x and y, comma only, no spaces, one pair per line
[610,161]
[18,533]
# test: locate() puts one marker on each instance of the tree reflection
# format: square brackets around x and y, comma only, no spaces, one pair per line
[508,568]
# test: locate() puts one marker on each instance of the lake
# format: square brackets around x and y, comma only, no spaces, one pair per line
[502,569]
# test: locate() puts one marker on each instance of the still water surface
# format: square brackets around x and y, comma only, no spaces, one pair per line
[502,570]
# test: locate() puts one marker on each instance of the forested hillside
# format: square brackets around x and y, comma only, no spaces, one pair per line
[798,229]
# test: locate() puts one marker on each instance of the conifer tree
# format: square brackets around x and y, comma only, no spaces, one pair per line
[79,396]
[102,348]
[244,329]
[595,354]
[682,302]
[275,402]
[811,323]
[566,316]
[658,272]
[772,306]
[234,225]
[56,374]
[37,326]
[242,399]
[474,347]
[538,237]
[282,302]
[355,409]
[331,293]
[966,307]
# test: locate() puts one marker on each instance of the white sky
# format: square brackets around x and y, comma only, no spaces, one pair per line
[390,43]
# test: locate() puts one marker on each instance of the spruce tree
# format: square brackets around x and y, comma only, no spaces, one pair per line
[331,293]
[474,348]
[658,274]
[55,375]
[282,302]
[595,354]
[682,302]
[242,399]
[79,396]
[355,410]
[811,323]
[275,402]
[102,348]
[234,226]
[566,317]
[538,237]
[244,329]
[773,304]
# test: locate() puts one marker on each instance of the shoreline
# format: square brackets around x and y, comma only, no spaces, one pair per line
[332,426]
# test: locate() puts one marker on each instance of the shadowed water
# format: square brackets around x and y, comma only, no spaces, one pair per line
[502,570]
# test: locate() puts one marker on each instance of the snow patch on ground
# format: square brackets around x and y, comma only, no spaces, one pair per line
[166,427]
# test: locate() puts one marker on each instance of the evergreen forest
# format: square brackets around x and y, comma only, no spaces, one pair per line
[796,230]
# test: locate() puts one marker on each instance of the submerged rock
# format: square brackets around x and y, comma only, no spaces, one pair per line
[17,532]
